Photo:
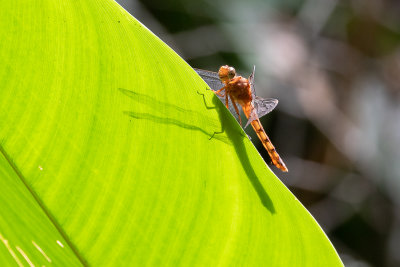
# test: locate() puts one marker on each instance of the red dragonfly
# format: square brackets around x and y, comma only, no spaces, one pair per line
[242,91]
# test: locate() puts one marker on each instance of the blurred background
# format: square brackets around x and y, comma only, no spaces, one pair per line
[335,68]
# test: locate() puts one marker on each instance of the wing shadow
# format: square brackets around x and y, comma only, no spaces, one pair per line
[157,105]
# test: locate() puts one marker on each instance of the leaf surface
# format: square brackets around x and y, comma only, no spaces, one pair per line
[106,157]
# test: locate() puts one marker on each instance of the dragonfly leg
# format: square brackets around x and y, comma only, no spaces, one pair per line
[219,92]
[237,110]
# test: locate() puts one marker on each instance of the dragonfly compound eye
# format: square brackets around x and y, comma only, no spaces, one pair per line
[226,73]
[231,73]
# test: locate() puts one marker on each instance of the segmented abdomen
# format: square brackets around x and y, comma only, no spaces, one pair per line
[276,159]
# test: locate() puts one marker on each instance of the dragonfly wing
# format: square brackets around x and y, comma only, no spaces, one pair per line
[211,78]
[251,81]
[261,107]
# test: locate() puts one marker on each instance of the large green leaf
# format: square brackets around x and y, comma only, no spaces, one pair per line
[106,156]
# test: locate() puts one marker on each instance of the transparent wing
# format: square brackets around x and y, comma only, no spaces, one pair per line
[261,107]
[212,80]
[251,81]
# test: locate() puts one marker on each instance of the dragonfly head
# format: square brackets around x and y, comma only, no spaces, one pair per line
[226,73]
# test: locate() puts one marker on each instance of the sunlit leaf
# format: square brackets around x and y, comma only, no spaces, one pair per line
[106,156]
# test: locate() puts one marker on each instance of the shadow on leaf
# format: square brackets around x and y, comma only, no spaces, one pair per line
[167,108]
[237,140]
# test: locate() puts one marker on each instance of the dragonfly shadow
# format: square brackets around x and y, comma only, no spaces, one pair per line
[168,108]
[238,143]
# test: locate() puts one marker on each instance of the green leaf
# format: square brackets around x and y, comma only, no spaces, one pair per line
[106,156]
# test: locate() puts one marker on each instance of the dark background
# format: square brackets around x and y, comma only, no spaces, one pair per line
[335,68]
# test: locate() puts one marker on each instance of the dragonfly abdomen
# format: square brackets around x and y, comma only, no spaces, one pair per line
[276,159]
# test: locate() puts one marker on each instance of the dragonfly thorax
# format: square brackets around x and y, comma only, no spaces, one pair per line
[239,89]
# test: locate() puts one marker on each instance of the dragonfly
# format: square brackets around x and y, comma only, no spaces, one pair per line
[234,90]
